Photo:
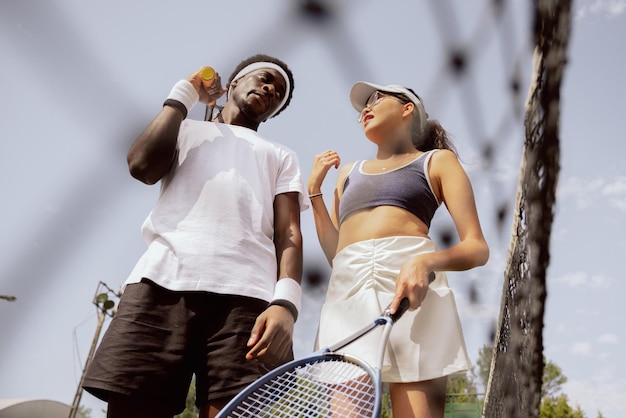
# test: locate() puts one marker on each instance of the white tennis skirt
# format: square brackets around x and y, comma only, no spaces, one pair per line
[425,344]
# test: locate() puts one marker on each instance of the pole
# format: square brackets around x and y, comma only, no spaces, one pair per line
[103,305]
[92,350]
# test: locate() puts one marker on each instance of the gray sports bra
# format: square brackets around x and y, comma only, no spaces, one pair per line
[407,187]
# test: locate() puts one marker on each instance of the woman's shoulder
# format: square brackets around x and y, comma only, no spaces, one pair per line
[443,153]
[443,157]
[347,168]
[344,171]
[443,161]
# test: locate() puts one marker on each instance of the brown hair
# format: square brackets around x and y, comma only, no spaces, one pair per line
[432,136]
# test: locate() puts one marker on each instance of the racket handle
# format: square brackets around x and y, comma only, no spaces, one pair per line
[405,304]
[207,73]
[402,308]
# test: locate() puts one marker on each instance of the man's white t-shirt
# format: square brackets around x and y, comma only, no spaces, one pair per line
[212,226]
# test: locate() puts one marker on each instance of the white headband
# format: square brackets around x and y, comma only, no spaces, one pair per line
[263,64]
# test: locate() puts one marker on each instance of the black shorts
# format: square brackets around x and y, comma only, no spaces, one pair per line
[159,338]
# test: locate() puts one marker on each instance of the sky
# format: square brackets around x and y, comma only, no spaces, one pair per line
[80,80]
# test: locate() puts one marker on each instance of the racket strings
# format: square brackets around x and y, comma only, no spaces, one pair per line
[324,388]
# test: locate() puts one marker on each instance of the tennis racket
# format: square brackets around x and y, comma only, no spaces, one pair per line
[207,74]
[325,384]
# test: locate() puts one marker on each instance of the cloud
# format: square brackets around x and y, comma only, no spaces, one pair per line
[579,190]
[580,278]
[608,8]
[615,192]
[600,392]
[595,192]
[582,348]
[608,339]
[617,188]
[585,348]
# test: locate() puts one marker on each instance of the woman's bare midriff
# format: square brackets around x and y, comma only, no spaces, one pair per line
[379,222]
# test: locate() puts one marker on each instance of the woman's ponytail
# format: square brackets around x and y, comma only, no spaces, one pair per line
[433,136]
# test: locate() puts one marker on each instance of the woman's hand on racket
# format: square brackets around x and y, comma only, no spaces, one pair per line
[412,283]
[272,335]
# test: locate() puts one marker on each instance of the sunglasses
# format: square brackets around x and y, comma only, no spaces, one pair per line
[376,98]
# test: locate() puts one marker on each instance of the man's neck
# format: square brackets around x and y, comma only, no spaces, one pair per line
[236,117]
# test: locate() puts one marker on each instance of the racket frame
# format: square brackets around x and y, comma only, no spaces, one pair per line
[315,358]
[327,354]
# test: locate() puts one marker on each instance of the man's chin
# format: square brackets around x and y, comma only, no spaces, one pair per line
[253,113]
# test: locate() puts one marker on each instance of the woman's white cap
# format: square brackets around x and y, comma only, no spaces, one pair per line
[361,92]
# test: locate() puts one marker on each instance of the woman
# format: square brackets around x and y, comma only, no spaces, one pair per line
[377,241]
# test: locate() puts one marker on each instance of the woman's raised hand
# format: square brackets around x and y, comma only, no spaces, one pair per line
[321,164]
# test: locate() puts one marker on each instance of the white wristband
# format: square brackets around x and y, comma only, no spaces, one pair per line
[186,93]
[289,290]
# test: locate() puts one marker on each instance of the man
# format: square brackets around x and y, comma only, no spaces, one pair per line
[217,292]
